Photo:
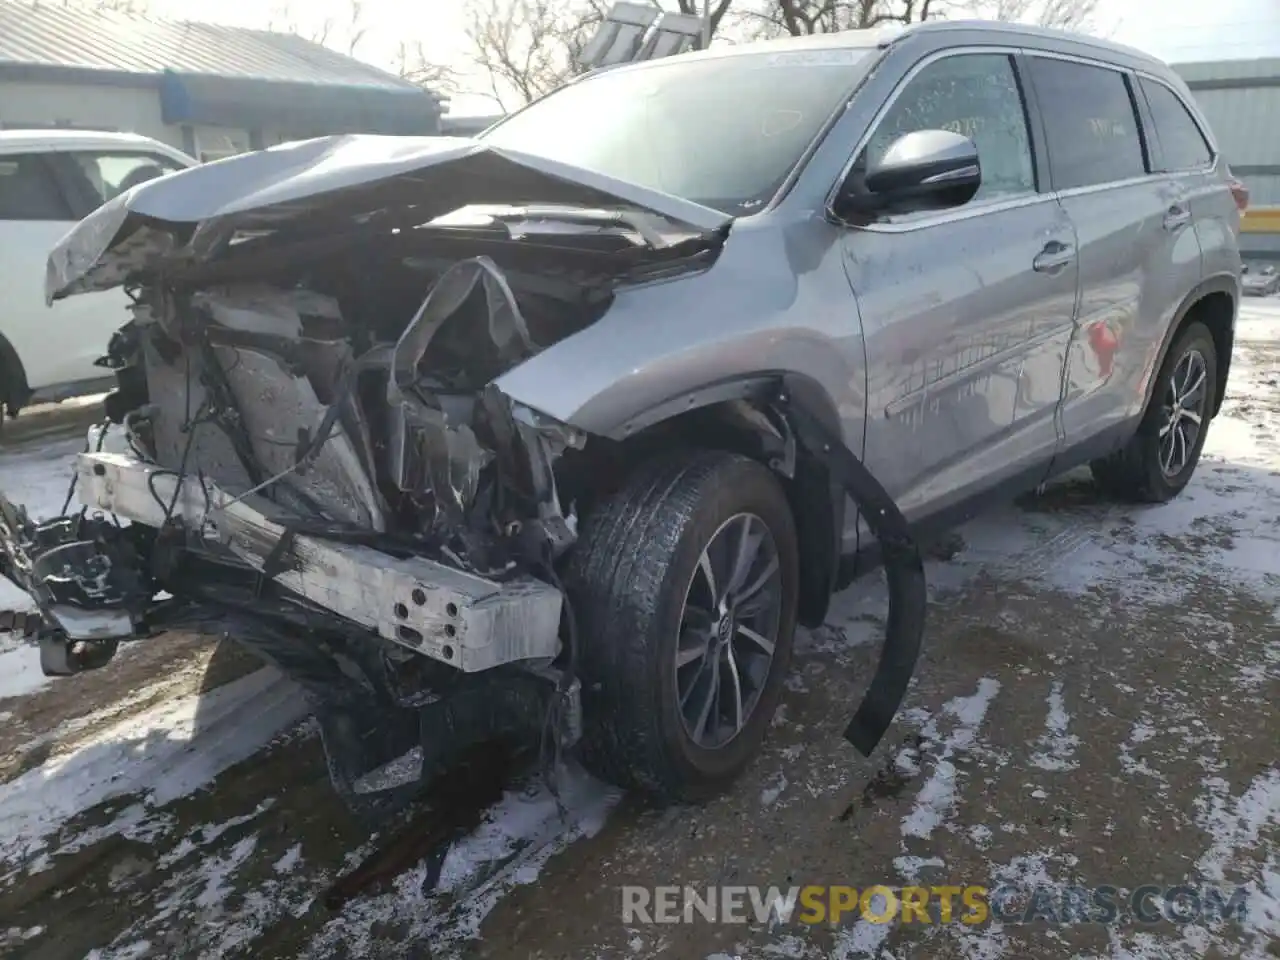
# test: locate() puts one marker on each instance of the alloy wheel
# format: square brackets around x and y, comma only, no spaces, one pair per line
[1186,401]
[728,630]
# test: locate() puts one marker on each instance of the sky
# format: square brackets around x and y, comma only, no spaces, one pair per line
[1175,30]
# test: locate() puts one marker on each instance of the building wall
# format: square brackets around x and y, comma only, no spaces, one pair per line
[1241,98]
[124,109]
[113,108]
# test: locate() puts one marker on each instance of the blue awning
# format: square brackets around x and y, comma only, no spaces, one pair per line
[249,102]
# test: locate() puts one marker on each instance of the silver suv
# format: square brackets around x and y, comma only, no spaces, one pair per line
[555,435]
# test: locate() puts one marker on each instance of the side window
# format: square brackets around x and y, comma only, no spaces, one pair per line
[973,94]
[111,174]
[1182,145]
[28,190]
[1090,123]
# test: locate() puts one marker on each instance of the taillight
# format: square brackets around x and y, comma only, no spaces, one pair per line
[1240,193]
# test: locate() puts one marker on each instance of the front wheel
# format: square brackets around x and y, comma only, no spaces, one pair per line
[685,586]
[1161,457]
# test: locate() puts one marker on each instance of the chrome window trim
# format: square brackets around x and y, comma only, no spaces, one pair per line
[967,212]
[1110,185]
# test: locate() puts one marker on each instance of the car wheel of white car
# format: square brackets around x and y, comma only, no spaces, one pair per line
[685,587]
[1158,462]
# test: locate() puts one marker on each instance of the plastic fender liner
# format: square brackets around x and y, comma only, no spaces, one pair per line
[903,569]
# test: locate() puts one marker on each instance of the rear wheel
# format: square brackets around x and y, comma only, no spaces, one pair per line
[1159,460]
[685,586]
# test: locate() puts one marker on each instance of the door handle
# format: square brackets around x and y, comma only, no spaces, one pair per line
[1053,257]
[1177,217]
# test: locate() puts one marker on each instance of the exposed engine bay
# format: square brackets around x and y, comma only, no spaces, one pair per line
[310,449]
[309,439]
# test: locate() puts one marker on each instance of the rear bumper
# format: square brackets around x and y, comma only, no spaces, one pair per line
[466,621]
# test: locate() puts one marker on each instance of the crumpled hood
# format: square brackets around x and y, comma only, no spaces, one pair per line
[190,216]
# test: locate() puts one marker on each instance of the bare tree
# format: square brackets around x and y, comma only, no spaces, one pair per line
[773,18]
[1069,14]
[764,18]
[696,8]
[527,48]
[282,18]
[343,31]
[1064,14]
[355,25]
[413,64]
[347,30]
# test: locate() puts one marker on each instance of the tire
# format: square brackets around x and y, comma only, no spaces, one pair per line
[636,563]
[1136,472]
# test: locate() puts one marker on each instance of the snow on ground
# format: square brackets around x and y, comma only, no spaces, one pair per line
[19,670]
[520,835]
[37,478]
[150,755]
[1095,675]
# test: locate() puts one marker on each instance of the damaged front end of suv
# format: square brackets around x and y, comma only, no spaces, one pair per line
[324,458]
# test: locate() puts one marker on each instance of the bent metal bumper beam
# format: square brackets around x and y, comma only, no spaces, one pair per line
[464,620]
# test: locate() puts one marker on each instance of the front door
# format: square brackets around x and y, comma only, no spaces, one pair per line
[967,313]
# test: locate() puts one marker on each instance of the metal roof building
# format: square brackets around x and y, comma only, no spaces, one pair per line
[1242,101]
[204,88]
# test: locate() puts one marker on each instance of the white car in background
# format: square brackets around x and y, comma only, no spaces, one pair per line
[49,181]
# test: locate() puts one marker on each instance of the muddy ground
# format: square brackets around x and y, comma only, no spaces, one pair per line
[1096,706]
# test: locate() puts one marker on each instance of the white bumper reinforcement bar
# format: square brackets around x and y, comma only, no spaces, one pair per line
[464,620]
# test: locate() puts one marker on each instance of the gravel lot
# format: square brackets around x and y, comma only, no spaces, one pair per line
[1097,706]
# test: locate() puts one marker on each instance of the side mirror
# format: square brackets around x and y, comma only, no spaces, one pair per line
[924,170]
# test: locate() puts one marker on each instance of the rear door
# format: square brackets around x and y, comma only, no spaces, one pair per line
[1138,255]
[1183,151]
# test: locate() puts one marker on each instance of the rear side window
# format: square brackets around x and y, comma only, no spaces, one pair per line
[1090,123]
[28,190]
[1182,144]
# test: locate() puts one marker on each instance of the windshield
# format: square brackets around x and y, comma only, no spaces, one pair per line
[724,132]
